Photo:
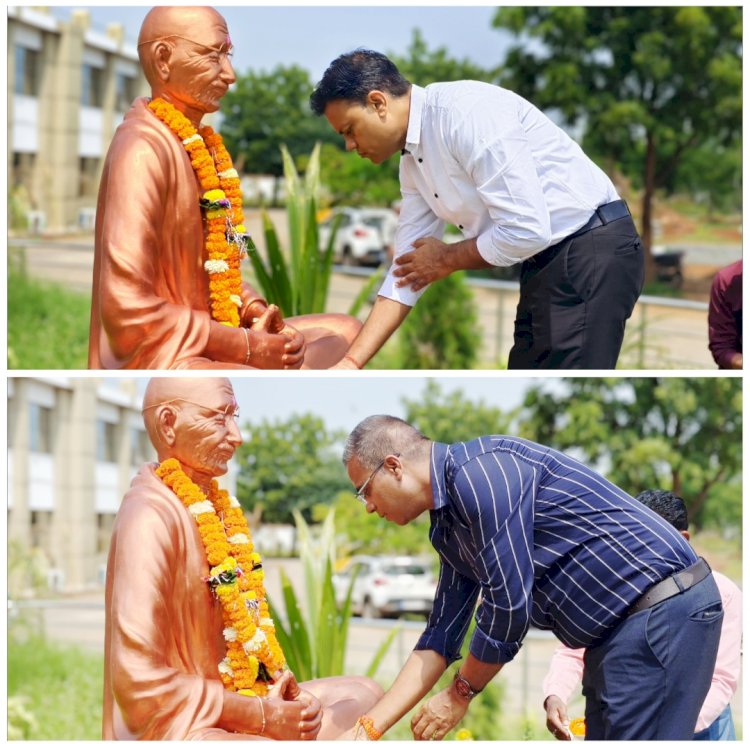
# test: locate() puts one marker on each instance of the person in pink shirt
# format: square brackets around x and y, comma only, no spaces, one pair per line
[715,720]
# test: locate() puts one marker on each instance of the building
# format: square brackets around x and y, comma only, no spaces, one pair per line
[73,447]
[69,87]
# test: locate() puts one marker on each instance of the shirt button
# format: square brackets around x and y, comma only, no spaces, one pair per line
[420,159]
[460,227]
[436,196]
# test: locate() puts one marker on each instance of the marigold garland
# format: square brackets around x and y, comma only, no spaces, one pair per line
[236,578]
[226,237]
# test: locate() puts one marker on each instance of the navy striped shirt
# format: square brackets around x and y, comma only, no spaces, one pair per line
[546,540]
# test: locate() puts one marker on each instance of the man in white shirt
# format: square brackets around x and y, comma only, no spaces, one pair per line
[520,190]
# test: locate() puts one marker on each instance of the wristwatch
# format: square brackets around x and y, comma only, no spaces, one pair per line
[463,688]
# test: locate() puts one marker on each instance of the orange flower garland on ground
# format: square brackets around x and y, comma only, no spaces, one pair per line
[226,235]
[236,578]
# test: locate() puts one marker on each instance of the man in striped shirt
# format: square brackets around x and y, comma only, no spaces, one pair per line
[539,538]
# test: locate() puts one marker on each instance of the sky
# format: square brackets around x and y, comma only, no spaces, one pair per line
[312,36]
[342,402]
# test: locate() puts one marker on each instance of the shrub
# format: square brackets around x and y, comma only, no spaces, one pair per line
[441,331]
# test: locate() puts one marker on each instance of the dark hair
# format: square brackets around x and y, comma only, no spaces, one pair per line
[666,505]
[353,75]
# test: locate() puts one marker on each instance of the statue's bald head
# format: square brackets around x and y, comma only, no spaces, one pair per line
[172,392]
[168,21]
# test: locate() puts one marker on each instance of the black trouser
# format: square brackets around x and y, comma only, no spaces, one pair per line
[575,299]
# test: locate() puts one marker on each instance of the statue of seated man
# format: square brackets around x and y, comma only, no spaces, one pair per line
[167,287]
[190,649]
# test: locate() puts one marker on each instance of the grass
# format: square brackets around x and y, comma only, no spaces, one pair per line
[48,325]
[60,689]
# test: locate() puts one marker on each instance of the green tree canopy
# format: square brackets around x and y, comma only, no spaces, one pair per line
[452,417]
[286,465]
[267,109]
[648,83]
[675,433]
[422,65]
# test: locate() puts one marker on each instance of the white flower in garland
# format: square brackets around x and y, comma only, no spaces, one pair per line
[255,642]
[216,266]
[238,539]
[230,634]
[225,668]
[202,507]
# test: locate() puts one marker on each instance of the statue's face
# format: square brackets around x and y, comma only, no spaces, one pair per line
[206,430]
[200,68]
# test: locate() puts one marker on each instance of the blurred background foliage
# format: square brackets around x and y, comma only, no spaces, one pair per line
[677,433]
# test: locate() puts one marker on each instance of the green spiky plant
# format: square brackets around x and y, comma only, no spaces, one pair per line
[315,644]
[297,283]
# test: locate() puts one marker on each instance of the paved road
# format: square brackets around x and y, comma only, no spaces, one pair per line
[676,338]
[80,621]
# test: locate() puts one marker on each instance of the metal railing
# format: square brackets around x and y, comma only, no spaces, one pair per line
[663,333]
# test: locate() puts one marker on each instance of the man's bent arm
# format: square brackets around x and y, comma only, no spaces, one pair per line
[384,318]
[417,677]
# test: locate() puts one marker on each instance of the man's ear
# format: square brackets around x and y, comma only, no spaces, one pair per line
[378,100]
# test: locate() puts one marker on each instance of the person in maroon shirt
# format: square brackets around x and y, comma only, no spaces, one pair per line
[725,317]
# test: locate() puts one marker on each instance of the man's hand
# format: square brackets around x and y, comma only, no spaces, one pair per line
[439,715]
[424,265]
[345,363]
[557,718]
[273,344]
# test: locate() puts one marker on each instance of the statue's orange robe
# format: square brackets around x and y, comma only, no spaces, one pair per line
[149,306]
[163,635]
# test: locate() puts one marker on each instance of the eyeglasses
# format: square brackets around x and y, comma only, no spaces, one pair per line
[360,492]
[226,413]
[226,51]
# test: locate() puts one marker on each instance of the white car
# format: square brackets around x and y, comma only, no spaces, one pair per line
[387,586]
[362,235]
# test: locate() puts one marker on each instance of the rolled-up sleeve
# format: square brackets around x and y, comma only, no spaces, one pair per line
[455,599]
[490,141]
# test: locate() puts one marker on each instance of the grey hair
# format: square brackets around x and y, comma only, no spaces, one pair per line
[376,437]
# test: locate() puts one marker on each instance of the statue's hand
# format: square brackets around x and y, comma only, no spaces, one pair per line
[274,345]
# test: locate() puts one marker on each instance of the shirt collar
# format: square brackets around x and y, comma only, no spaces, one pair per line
[438,461]
[416,106]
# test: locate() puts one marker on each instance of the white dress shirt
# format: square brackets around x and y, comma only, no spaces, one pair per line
[484,159]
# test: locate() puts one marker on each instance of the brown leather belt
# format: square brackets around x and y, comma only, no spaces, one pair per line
[672,585]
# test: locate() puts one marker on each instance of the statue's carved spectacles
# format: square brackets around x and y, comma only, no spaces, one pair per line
[229,413]
[224,51]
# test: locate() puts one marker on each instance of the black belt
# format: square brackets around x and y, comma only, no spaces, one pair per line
[603,216]
[672,585]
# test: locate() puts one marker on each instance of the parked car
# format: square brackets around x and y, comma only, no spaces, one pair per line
[387,586]
[362,235]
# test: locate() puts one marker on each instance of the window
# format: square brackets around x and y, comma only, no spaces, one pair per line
[27,72]
[92,86]
[106,441]
[40,428]
[124,92]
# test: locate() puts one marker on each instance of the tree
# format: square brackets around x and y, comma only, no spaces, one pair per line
[452,417]
[423,66]
[265,110]
[286,465]
[675,433]
[353,181]
[649,84]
